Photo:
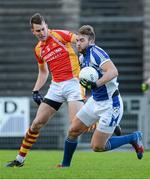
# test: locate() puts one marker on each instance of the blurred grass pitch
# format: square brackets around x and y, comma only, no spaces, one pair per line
[85,165]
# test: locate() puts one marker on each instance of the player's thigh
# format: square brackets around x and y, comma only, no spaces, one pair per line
[73,108]
[76,128]
[99,139]
[110,113]
[44,113]
[87,113]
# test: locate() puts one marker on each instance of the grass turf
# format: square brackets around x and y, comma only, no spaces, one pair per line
[85,165]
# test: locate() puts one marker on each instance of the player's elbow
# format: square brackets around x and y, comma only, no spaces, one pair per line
[115,72]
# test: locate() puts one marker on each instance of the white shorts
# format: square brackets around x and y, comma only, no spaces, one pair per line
[108,113]
[69,90]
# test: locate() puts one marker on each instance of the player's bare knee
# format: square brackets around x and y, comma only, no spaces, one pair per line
[36,126]
[74,132]
[98,148]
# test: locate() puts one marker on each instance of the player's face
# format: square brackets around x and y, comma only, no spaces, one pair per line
[82,43]
[40,31]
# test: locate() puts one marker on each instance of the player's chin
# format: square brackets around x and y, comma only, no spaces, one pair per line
[80,50]
[42,38]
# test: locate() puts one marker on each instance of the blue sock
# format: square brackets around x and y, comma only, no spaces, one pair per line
[117,141]
[70,147]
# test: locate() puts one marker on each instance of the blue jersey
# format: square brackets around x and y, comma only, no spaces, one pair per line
[96,57]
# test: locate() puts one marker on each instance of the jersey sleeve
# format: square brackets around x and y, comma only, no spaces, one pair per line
[99,56]
[37,55]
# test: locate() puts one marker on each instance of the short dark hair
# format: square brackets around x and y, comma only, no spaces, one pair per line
[36,19]
[87,30]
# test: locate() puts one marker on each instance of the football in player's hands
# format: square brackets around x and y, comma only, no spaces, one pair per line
[89,73]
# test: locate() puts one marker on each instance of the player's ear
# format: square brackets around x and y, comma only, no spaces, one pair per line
[32,30]
[91,41]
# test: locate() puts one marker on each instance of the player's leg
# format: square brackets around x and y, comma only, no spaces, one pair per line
[52,102]
[102,140]
[71,144]
[82,121]
[135,139]
[118,130]
[110,113]
[73,108]
[99,140]
[45,111]
[77,127]
[74,95]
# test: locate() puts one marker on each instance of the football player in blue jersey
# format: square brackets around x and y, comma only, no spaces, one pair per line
[104,105]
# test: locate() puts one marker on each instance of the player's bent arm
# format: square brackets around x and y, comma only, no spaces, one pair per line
[110,72]
[42,76]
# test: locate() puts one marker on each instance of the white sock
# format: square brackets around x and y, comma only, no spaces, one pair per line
[20,158]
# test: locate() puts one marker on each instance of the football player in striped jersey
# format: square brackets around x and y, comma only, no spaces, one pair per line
[54,53]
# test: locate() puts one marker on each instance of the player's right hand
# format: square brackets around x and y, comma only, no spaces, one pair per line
[37,97]
[144,87]
[88,84]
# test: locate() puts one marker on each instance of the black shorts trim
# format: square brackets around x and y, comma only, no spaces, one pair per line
[53,104]
[116,93]
[81,100]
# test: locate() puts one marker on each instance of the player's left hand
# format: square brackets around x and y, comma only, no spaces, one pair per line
[37,97]
[88,84]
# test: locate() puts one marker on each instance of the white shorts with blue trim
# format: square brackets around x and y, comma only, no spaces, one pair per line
[108,113]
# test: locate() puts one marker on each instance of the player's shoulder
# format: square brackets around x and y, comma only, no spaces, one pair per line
[63,33]
[60,31]
[38,45]
[97,48]
[37,48]
[99,51]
